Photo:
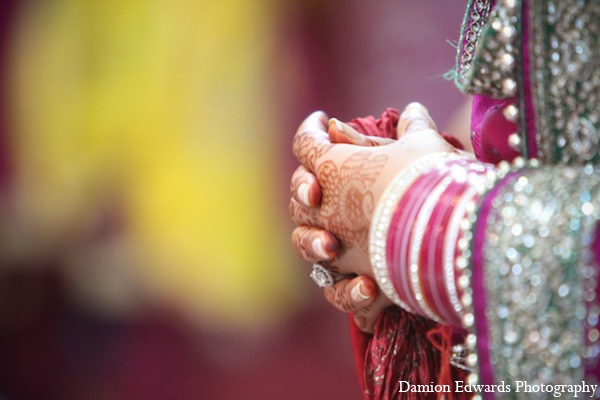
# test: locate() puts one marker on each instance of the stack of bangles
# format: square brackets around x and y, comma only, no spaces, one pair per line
[517,246]
[421,233]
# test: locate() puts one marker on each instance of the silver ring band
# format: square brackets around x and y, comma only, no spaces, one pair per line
[321,276]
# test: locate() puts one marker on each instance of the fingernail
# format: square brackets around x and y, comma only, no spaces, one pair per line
[357,295]
[416,108]
[413,108]
[319,250]
[303,193]
[339,126]
[354,136]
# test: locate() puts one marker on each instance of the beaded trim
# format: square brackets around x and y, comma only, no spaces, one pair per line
[491,69]
[463,250]
[495,66]
[475,18]
[539,277]
[566,79]
[450,258]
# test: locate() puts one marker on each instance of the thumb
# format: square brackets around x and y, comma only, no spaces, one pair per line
[350,295]
[414,119]
[340,132]
[366,317]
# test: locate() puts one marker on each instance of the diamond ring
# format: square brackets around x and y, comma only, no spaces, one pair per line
[322,276]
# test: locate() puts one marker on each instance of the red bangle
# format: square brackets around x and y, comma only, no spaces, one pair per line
[419,237]
[399,237]
[431,272]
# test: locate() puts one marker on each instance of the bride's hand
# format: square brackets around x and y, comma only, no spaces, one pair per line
[351,180]
[358,295]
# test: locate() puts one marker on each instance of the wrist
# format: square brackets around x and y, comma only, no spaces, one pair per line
[418,242]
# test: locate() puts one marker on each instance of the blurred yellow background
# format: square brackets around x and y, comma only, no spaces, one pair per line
[145,153]
[161,110]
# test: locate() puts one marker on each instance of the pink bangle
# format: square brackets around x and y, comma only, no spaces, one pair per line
[399,243]
[417,240]
[431,272]
[416,262]
[438,275]
[452,255]
[426,273]
[383,216]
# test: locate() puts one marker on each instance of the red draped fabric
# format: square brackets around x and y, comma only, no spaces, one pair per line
[404,347]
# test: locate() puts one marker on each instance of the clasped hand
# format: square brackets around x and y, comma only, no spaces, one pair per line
[334,194]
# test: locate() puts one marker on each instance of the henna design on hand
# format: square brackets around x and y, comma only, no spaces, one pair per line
[347,200]
[342,301]
[337,297]
[303,215]
[302,242]
[308,150]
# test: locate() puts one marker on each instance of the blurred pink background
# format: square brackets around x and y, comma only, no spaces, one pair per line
[145,154]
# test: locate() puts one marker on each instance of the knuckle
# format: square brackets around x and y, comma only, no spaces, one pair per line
[296,243]
[293,208]
[328,292]
[302,243]
[362,323]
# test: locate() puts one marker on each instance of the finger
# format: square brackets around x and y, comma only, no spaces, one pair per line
[378,141]
[317,117]
[366,317]
[415,118]
[305,187]
[305,215]
[350,295]
[311,140]
[314,244]
[340,132]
